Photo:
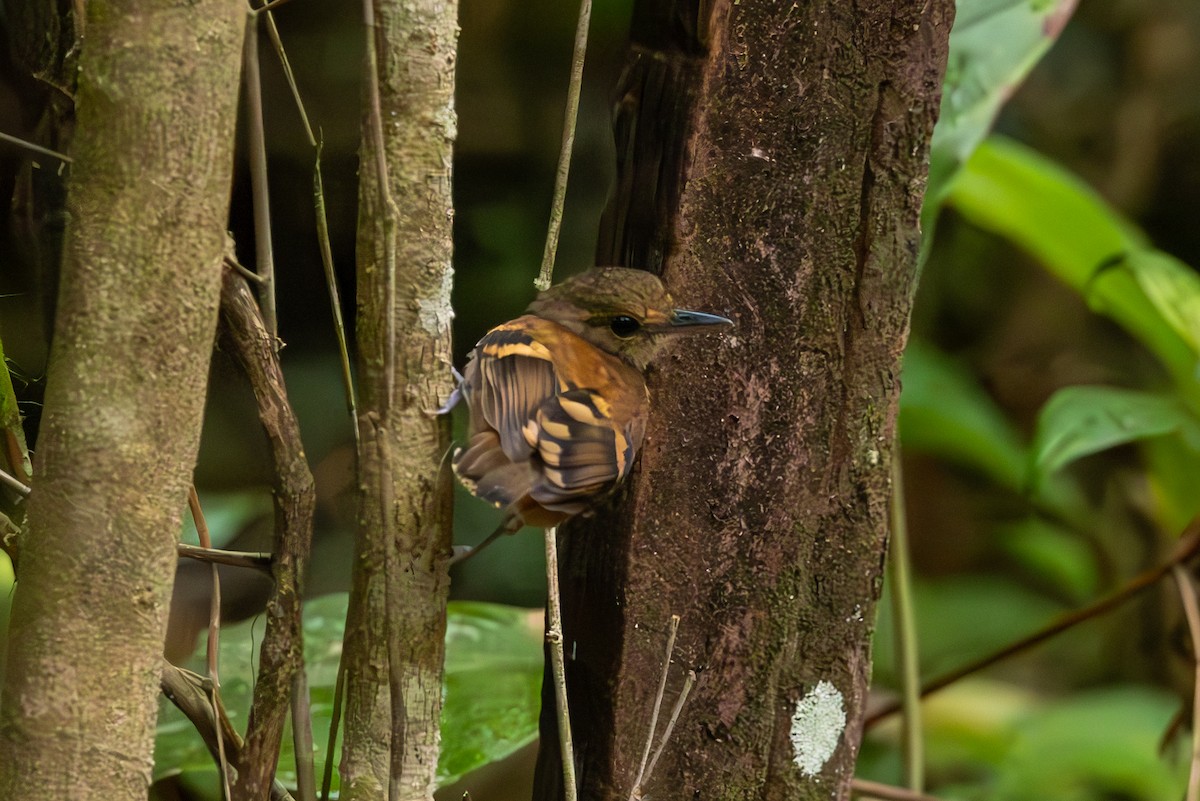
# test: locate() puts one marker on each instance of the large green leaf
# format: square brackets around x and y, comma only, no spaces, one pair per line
[944,411]
[1012,191]
[1173,288]
[492,689]
[1095,745]
[493,685]
[1082,420]
[993,46]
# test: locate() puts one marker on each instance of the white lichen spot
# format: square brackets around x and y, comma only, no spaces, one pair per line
[817,725]
[434,313]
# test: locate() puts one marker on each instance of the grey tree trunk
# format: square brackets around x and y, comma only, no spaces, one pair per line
[148,198]
[773,163]
[397,620]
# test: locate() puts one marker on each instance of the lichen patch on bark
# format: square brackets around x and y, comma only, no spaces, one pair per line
[817,726]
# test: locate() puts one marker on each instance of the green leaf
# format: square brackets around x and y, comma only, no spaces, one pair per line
[1099,744]
[1079,421]
[1173,288]
[944,411]
[993,46]
[492,688]
[1010,190]
[493,685]
[1173,466]
[1060,558]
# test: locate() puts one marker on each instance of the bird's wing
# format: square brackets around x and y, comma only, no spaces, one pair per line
[585,451]
[511,376]
[522,402]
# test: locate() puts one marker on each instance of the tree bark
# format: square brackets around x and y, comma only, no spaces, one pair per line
[397,618]
[783,190]
[148,198]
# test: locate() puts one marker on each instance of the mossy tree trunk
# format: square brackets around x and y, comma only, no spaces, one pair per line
[148,197]
[773,165]
[397,619]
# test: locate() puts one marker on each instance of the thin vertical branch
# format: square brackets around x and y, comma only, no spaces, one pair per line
[302,736]
[322,218]
[213,644]
[257,147]
[335,300]
[554,636]
[245,336]
[904,626]
[1187,595]
[288,74]
[335,715]
[568,145]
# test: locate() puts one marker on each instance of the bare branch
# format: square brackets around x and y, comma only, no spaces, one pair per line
[568,145]
[244,335]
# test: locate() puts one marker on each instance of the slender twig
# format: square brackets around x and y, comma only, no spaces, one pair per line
[554,636]
[14,483]
[887,791]
[688,682]
[335,301]
[271,6]
[302,737]
[1191,610]
[255,560]
[321,217]
[244,272]
[213,645]
[339,687]
[904,627]
[568,145]
[30,146]
[673,629]
[288,74]
[257,148]
[1188,546]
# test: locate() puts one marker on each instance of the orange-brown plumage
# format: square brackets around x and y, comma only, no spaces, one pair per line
[557,397]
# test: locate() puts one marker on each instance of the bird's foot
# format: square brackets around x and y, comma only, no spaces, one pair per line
[452,401]
[460,554]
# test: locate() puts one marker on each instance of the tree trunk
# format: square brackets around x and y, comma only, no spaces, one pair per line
[397,619]
[148,198]
[774,158]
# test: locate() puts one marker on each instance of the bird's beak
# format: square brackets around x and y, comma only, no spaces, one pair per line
[681,320]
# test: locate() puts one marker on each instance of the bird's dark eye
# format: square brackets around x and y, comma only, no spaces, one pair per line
[624,326]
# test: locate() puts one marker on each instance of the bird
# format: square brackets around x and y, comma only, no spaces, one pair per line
[557,398]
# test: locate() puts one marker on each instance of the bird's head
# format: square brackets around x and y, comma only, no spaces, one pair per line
[622,311]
